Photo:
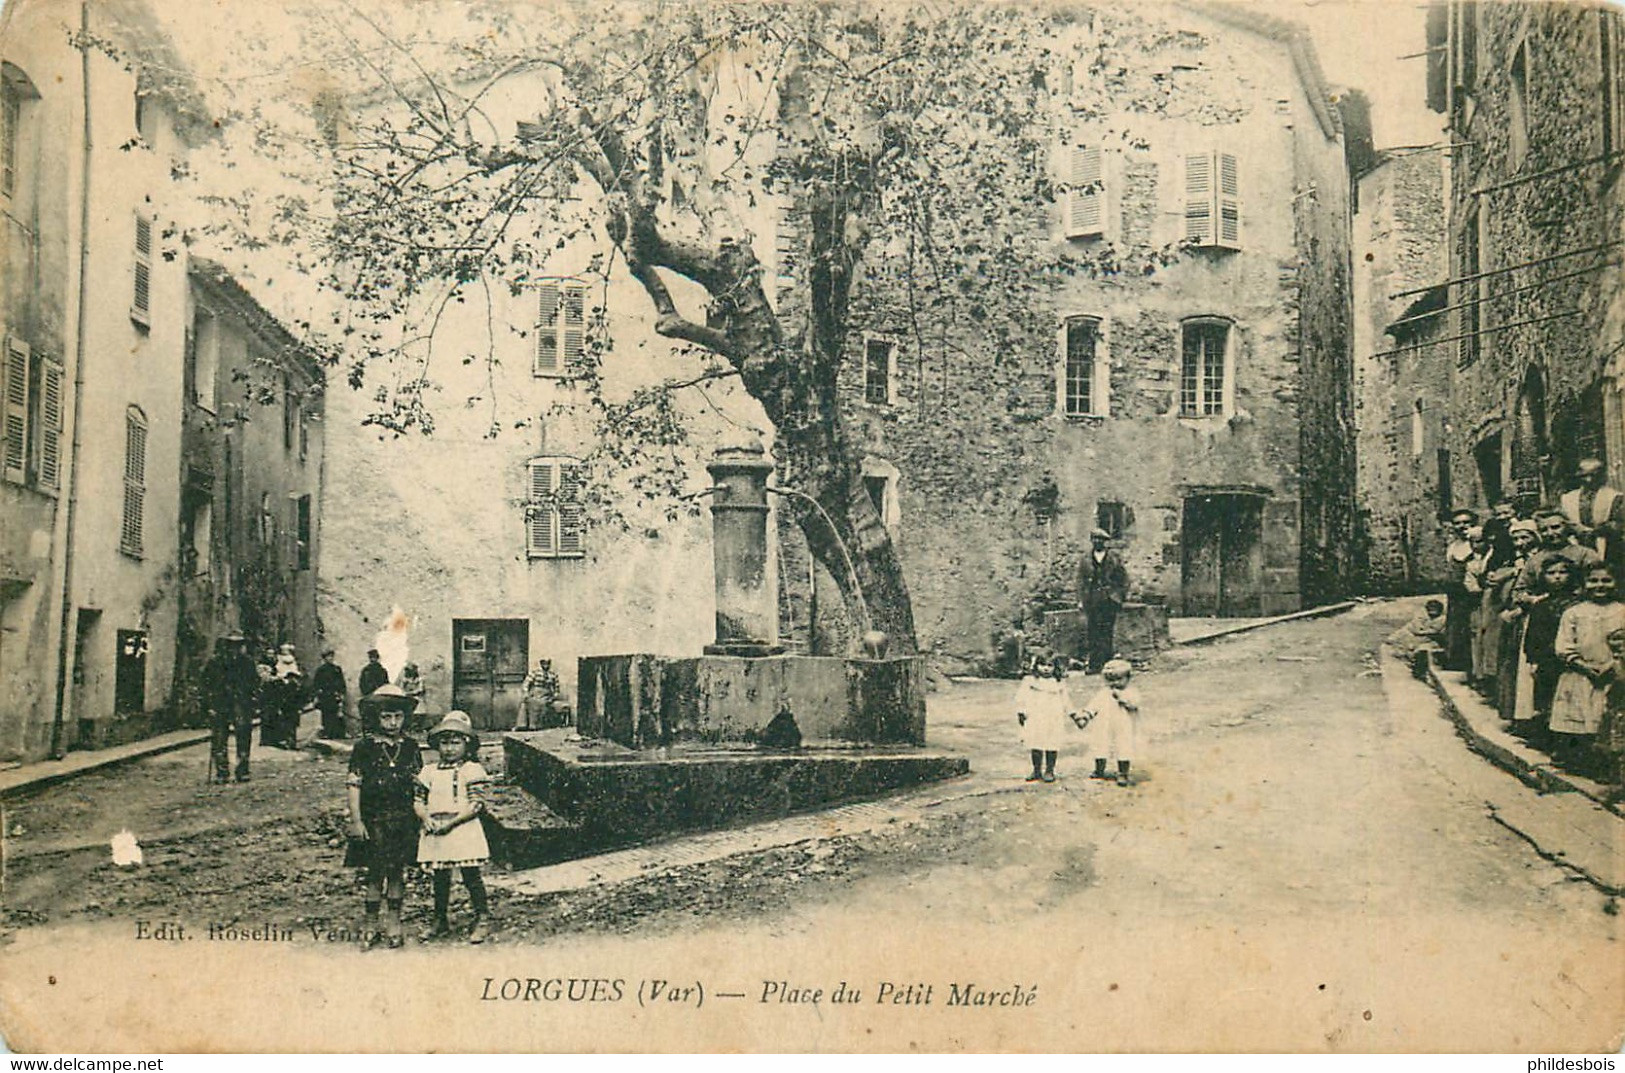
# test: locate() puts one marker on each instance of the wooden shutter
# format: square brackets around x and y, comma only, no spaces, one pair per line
[540,512]
[1086,194]
[135,479]
[10,116]
[547,339]
[570,511]
[16,412]
[1228,202]
[141,301]
[1199,198]
[50,426]
[575,296]
[1213,200]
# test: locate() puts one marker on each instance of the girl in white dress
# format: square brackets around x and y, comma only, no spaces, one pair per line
[1042,707]
[449,800]
[1115,712]
[1581,699]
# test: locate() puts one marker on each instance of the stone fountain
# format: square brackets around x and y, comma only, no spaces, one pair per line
[742,731]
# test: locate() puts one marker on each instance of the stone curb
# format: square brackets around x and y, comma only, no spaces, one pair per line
[1540,776]
[45,773]
[1296,616]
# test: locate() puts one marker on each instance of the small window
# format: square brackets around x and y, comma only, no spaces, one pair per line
[1085,192]
[1114,517]
[1471,291]
[300,530]
[560,326]
[879,371]
[1518,108]
[1418,429]
[146,119]
[135,481]
[1204,380]
[1083,381]
[555,520]
[1445,494]
[204,357]
[197,524]
[141,298]
[1212,200]
[290,413]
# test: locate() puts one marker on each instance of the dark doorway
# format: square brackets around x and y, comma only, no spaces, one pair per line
[130,673]
[489,659]
[1529,444]
[1488,456]
[1223,554]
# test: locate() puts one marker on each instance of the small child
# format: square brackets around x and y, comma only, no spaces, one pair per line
[1581,698]
[1422,636]
[1545,610]
[1114,711]
[383,823]
[449,802]
[1042,707]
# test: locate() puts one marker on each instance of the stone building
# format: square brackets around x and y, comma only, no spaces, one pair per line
[1191,394]
[252,451]
[94,308]
[1535,317]
[1402,389]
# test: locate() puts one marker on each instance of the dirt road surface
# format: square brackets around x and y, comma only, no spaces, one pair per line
[1305,862]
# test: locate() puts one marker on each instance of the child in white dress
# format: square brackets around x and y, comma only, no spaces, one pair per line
[1114,713]
[1043,704]
[449,800]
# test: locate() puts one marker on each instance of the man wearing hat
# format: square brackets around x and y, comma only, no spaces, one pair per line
[1102,588]
[1593,510]
[328,692]
[373,674]
[231,684]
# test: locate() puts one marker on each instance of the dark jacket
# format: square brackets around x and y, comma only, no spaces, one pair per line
[230,681]
[327,683]
[373,675]
[1106,582]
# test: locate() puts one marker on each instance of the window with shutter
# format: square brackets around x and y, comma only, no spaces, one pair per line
[561,329]
[572,515]
[141,299]
[17,412]
[135,481]
[1212,200]
[555,511]
[1086,192]
[49,472]
[11,110]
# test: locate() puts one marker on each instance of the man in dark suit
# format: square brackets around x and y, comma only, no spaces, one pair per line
[1102,588]
[230,684]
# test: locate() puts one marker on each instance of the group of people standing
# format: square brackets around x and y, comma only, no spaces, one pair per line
[1534,619]
[239,690]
